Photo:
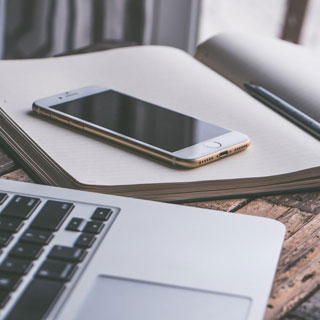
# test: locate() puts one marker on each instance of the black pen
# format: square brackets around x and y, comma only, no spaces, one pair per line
[287,110]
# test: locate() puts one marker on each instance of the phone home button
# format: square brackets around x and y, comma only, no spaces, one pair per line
[212,144]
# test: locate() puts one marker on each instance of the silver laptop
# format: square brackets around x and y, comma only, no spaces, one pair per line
[68,254]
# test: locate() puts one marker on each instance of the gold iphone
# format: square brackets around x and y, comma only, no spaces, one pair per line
[140,125]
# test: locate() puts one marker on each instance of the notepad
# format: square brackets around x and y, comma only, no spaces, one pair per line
[281,157]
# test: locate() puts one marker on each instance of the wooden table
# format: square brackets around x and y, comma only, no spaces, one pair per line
[296,291]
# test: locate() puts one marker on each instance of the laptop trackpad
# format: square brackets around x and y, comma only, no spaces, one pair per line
[125,299]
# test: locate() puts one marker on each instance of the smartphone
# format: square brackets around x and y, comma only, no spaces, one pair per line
[154,130]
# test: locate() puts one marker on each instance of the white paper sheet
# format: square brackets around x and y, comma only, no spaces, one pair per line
[164,76]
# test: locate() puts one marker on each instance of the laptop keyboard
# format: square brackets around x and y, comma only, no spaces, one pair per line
[45,245]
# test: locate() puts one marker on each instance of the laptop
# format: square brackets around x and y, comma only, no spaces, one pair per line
[68,254]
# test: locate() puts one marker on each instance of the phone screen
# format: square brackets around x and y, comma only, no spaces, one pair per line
[140,120]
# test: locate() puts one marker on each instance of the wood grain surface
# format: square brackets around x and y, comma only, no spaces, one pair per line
[296,289]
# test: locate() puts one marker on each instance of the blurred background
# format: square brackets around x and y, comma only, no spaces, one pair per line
[42,28]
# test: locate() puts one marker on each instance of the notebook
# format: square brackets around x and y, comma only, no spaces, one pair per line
[282,157]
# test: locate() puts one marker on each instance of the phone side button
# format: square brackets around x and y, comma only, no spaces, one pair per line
[77,125]
[45,113]
[58,118]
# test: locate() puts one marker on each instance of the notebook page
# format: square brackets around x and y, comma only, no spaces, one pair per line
[286,69]
[164,76]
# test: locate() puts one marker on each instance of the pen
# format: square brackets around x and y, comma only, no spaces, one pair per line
[287,110]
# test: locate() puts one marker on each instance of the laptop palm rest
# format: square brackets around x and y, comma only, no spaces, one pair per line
[124,299]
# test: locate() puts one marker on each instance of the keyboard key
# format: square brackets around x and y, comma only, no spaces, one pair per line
[16,266]
[36,300]
[85,240]
[67,253]
[9,282]
[76,224]
[4,298]
[36,236]
[101,214]
[56,270]
[93,227]
[10,225]
[26,251]
[5,239]
[20,207]
[52,215]
[3,197]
